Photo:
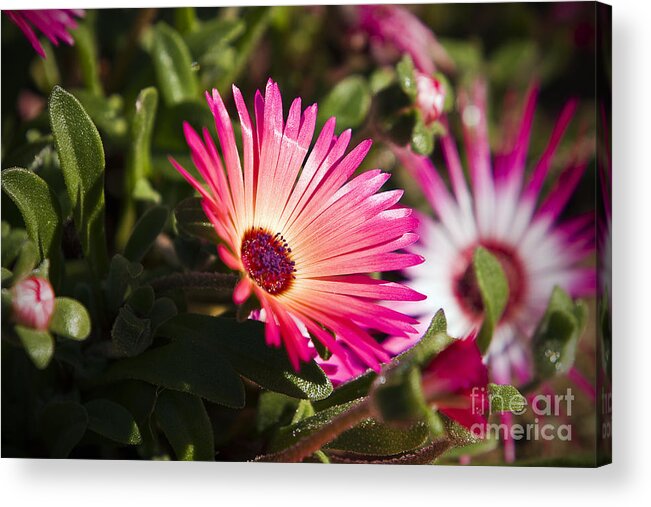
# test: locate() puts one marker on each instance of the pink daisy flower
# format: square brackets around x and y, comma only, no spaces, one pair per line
[392,27]
[32,303]
[54,24]
[507,214]
[302,233]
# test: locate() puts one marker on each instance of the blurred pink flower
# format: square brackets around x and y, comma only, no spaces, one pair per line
[510,217]
[395,27]
[54,24]
[301,232]
[32,303]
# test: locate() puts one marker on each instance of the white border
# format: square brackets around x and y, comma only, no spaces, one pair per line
[98,483]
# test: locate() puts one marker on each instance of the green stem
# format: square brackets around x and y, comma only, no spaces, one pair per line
[314,442]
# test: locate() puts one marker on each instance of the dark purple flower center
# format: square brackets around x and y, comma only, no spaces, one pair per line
[267,259]
[466,288]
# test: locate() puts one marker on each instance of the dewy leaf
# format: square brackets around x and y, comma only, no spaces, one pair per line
[557,335]
[378,439]
[81,156]
[184,420]
[173,66]
[145,232]
[41,213]
[70,319]
[494,290]
[244,346]
[112,421]
[63,424]
[431,343]
[183,365]
[368,437]
[192,221]
[506,398]
[349,101]
[39,345]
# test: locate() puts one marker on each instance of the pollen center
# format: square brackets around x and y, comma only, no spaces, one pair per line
[267,259]
[466,288]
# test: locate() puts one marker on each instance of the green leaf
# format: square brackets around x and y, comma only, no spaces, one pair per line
[378,439]
[39,345]
[131,334]
[422,137]
[81,156]
[45,71]
[494,290]
[185,19]
[184,420]
[112,421]
[145,232]
[105,112]
[245,347]
[141,300]
[397,395]
[144,191]
[122,275]
[349,391]
[41,213]
[63,424]
[506,398]
[70,319]
[274,409]
[214,35]
[349,101]
[368,437]
[256,21]
[557,335]
[184,365]
[406,76]
[11,244]
[87,58]
[27,258]
[192,221]
[142,124]
[164,309]
[431,343]
[173,65]
[473,449]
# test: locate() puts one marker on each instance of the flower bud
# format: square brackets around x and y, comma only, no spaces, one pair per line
[33,303]
[430,97]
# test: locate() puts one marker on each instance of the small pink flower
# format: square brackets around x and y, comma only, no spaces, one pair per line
[430,96]
[33,303]
[55,25]
[301,229]
[457,379]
